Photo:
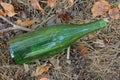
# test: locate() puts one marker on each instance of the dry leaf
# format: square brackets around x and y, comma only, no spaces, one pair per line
[8,8]
[82,50]
[100,8]
[2,13]
[65,17]
[70,2]
[25,23]
[91,36]
[35,4]
[43,78]
[51,3]
[114,13]
[42,69]
[119,6]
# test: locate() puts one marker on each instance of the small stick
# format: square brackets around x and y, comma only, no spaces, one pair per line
[7,29]
[14,26]
[68,53]
[26,67]
[44,20]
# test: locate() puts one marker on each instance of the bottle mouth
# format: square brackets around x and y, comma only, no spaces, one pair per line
[103,23]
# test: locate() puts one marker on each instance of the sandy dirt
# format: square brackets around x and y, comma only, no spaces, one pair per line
[101,61]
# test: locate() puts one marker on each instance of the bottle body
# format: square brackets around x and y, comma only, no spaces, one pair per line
[49,41]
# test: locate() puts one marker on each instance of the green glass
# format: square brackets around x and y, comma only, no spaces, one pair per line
[49,41]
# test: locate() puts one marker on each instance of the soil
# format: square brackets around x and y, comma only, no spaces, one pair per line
[100,62]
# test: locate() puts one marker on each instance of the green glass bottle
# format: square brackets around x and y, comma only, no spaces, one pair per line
[49,41]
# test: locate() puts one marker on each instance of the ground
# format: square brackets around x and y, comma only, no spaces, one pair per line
[99,63]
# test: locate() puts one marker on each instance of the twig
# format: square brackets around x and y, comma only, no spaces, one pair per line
[64,74]
[10,66]
[7,29]
[68,53]
[45,20]
[26,67]
[14,26]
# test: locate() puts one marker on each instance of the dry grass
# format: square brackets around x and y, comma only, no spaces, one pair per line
[97,64]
